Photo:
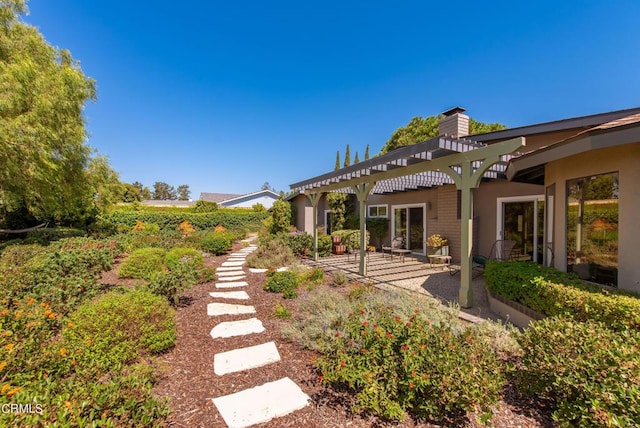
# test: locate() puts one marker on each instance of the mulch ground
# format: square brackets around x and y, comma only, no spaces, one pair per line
[188,381]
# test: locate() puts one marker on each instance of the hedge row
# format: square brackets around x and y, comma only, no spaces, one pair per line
[230,219]
[551,292]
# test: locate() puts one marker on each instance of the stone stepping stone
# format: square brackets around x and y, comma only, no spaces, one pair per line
[236,259]
[255,270]
[229,268]
[237,328]
[240,295]
[215,309]
[262,403]
[224,264]
[232,278]
[230,273]
[282,269]
[243,255]
[231,284]
[247,358]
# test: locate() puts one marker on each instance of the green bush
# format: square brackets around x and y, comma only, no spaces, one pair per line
[282,282]
[281,216]
[589,372]
[301,243]
[186,273]
[324,245]
[314,276]
[183,254]
[217,243]
[397,360]
[18,254]
[55,233]
[232,219]
[204,206]
[271,253]
[118,328]
[339,278]
[143,263]
[551,292]
[350,238]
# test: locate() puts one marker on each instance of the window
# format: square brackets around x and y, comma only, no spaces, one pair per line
[377,211]
[592,228]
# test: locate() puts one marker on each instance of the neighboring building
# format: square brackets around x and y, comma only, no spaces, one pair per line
[264,197]
[559,203]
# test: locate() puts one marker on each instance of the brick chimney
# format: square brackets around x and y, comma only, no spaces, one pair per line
[455,123]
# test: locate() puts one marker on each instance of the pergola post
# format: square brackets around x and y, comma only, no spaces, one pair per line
[315,199]
[362,192]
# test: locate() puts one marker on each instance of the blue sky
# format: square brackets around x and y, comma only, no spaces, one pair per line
[224,95]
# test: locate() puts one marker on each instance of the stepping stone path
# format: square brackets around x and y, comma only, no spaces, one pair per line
[260,403]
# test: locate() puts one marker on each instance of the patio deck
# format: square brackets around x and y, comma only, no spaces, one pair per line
[415,274]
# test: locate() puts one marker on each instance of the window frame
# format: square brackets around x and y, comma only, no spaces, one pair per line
[378,206]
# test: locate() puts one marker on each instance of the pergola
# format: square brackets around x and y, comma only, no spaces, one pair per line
[441,160]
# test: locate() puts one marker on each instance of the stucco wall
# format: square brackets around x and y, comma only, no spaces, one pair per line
[625,160]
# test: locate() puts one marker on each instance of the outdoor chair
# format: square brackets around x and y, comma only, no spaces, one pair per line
[396,248]
[501,250]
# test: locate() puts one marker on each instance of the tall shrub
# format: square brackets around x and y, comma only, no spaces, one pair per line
[281,213]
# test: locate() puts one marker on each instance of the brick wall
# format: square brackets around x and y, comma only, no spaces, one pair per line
[447,224]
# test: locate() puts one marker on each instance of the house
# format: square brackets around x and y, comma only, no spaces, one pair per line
[265,197]
[566,191]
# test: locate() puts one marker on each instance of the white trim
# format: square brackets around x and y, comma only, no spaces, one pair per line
[386,206]
[499,216]
[424,223]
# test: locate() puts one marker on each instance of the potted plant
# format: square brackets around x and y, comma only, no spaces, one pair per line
[336,239]
[437,245]
[340,249]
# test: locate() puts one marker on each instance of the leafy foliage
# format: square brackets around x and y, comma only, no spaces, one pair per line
[588,371]
[142,263]
[336,202]
[204,206]
[163,191]
[271,253]
[552,292]
[282,282]
[217,243]
[421,129]
[281,213]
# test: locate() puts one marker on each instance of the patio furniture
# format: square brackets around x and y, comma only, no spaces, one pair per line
[501,250]
[444,261]
[396,248]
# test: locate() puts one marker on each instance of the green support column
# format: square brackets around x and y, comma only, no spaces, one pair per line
[315,199]
[465,296]
[362,192]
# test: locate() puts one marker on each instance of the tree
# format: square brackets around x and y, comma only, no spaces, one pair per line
[130,193]
[266,186]
[145,193]
[105,185]
[281,215]
[421,129]
[337,205]
[43,155]
[347,157]
[356,159]
[162,191]
[366,153]
[337,160]
[184,192]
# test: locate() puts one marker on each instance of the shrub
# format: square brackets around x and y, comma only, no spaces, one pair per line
[281,311]
[553,292]
[350,238]
[300,243]
[173,284]
[398,354]
[217,243]
[204,206]
[324,245]
[18,255]
[143,263]
[186,228]
[281,215]
[271,253]
[117,328]
[313,276]
[339,278]
[55,233]
[282,282]
[588,371]
[183,254]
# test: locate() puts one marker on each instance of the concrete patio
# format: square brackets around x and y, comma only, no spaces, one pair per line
[414,274]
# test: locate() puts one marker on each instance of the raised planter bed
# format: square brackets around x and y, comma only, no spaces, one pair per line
[516,313]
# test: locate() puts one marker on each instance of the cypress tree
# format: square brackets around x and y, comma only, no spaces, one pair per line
[366,153]
[337,160]
[347,157]
[356,159]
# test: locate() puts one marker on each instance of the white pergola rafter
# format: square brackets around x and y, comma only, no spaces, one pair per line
[439,161]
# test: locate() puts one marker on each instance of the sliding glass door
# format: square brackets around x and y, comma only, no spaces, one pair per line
[409,222]
[521,219]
